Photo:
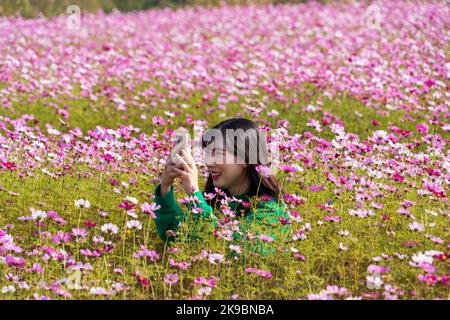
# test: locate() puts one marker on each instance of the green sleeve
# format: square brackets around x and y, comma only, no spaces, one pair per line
[264,220]
[167,217]
[170,215]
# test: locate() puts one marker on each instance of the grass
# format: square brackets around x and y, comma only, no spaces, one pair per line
[87,115]
[398,176]
[325,264]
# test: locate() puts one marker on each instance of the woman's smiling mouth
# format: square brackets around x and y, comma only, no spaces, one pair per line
[215,175]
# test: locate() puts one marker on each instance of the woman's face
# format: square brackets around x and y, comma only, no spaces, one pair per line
[224,170]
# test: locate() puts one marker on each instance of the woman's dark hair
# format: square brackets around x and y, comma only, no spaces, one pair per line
[236,134]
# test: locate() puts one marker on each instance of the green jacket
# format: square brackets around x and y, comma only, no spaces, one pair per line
[264,220]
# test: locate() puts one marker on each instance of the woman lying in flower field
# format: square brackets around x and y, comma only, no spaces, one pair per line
[227,179]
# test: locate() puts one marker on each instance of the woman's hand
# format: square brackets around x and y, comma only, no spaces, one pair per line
[168,176]
[188,171]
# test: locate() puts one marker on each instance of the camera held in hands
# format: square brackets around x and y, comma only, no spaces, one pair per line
[182,141]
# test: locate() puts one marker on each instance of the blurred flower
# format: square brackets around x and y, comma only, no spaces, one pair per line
[80,203]
[171,278]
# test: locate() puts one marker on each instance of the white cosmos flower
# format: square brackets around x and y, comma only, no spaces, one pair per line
[134,224]
[132,213]
[235,248]
[204,291]
[109,228]
[416,226]
[81,203]
[8,289]
[380,134]
[132,200]
[99,291]
[38,214]
[215,258]
[374,282]
[419,258]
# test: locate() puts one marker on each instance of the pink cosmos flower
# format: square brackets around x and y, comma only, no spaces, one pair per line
[142,280]
[262,273]
[266,238]
[210,282]
[91,253]
[61,237]
[332,218]
[89,224]
[127,205]
[430,279]
[377,269]
[152,255]
[150,208]
[264,171]
[17,262]
[171,278]
[8,166]
[428,267]
[79,232]
[361,213]
[288,168]
[442,256]
[37,268]
[181,265]
[55,217]
[299,256]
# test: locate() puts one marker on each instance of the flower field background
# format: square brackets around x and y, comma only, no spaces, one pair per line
[87,114]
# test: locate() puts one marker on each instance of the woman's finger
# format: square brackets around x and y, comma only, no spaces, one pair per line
[171,170]
[183,163]
[169,162]
[189,158]
[181,172]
